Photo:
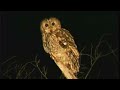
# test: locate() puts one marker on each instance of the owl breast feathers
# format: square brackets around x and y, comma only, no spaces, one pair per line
[59,43]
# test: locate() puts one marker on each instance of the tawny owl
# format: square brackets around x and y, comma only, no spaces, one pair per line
[59,43]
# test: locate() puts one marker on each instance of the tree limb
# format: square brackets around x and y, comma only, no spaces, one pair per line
[67,73]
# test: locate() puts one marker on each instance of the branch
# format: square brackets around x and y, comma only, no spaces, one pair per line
[67,73]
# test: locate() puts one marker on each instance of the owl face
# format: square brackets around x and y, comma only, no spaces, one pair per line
[50,25]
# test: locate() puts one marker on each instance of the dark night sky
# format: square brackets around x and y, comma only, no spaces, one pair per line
[21,34]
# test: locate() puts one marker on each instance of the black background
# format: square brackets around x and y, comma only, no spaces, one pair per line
[20,36]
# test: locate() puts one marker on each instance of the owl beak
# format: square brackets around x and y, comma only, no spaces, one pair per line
[50,30]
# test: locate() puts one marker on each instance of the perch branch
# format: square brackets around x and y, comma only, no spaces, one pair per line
[67,73]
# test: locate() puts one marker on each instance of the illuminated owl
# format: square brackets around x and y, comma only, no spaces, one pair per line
[59,43]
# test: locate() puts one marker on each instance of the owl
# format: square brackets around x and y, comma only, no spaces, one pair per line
[60,44]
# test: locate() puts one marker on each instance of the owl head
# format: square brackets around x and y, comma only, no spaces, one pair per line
[50,25]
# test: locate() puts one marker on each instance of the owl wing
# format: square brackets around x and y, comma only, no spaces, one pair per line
[72,51]
[69,38]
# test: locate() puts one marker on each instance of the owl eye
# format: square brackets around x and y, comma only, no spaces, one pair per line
[46,25]
[53,23]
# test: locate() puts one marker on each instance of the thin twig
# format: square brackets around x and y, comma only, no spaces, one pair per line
[108,53]
[8,60]
[87,55]
[99,43]
[29,73]
[112,50]
[91,53]
[22,69]
[37,62]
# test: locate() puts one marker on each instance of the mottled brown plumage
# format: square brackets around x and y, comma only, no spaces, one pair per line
[59,43]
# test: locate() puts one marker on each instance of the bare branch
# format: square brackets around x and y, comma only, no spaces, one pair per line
[67,73]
